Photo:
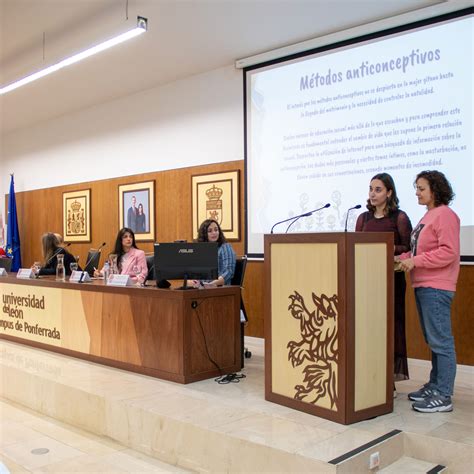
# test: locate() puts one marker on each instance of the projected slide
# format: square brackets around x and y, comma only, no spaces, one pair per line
[319,127]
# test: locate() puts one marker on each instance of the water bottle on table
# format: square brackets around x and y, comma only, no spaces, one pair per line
[106,272]
[60,270]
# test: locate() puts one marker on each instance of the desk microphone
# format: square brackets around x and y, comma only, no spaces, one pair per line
[307,214]
[58,251]
[347,215]
[89,260]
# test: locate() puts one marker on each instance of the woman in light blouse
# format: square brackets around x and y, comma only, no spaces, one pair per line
[210,231]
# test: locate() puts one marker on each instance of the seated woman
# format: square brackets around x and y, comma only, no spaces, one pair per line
[60,239]
[210,231]
[51,249]
[130,260]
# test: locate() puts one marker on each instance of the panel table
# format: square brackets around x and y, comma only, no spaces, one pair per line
[162,333]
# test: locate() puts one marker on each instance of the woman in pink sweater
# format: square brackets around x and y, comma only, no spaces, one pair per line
[433,263]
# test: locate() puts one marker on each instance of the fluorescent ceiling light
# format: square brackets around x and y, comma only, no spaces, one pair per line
[138,30]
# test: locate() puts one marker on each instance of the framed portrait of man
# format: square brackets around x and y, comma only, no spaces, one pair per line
[137,209]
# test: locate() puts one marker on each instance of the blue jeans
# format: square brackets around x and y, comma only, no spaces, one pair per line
[434,310]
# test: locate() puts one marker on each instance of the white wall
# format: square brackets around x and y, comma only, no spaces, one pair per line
[197,120]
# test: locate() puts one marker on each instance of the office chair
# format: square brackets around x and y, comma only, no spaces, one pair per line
[92,261]
[6,263]
[238,280]
[150,264]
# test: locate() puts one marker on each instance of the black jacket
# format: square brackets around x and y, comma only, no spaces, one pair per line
[50,267]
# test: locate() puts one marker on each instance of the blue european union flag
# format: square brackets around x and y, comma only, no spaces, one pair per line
[13,235]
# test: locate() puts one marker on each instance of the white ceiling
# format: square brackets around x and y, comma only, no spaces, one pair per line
[184,37]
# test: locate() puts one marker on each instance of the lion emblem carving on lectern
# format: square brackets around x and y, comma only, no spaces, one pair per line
[318,345]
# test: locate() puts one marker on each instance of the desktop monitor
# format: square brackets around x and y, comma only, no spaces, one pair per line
[181,260]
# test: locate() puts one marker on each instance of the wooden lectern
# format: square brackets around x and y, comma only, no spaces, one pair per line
[329,323]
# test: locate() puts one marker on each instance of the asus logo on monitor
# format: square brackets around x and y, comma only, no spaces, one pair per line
[186,251]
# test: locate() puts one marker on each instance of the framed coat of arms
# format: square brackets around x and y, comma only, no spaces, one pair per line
[216,196]
[77,216]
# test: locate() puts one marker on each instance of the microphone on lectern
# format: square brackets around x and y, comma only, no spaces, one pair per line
[347,215]
[307,214]
[295,218]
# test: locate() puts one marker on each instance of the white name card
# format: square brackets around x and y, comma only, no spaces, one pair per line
[119,280]
[25,273]
[79,277]
[3,272]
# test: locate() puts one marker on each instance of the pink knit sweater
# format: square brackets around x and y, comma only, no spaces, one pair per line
[435,250]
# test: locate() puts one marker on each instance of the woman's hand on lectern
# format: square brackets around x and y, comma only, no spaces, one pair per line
[407,265]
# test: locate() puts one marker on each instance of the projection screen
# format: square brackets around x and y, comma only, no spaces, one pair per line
[319,125]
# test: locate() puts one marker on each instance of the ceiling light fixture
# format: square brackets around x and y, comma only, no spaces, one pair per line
[138,30]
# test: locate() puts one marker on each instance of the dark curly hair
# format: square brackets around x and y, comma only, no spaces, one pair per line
[118,249]
[202,233]
[439,185]
[392,201]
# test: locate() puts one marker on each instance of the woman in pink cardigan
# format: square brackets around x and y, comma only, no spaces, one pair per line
[433,264]
[130,260]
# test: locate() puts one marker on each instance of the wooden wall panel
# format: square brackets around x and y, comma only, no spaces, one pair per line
[40,211]
[253,295]
[462,318]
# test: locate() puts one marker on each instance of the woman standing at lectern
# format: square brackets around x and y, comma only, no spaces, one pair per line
[383,215]
[210,231]
[433,263]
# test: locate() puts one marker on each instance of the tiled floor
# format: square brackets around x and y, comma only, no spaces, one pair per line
[70,449]
[238,410]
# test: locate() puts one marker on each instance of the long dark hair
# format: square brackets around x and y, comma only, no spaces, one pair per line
[392,201]
[50,244]
[118,249]
[439,185]
[202,233]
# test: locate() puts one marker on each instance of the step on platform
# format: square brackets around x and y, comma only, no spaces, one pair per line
[413,466]
[209,427]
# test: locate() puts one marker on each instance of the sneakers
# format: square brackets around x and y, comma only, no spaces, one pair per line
[421,394]
[433,403]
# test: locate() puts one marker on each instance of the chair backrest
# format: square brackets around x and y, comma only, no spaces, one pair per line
[93,261]
[239,273]
[150,263]
[6,263]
